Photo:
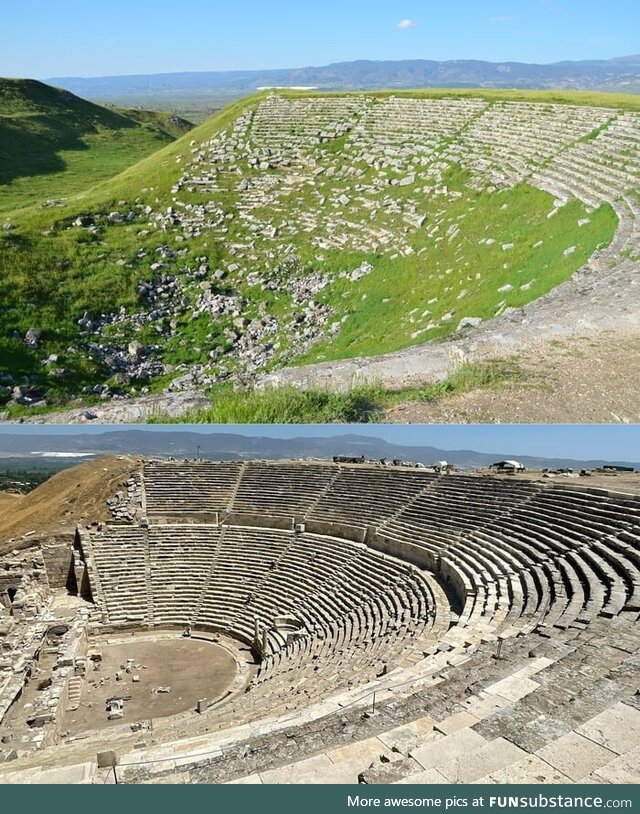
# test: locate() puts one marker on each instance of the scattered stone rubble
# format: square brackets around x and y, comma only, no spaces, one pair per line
[21,627]
[31,631]
[126,506]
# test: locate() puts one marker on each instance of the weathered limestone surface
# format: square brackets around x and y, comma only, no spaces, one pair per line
[127,411]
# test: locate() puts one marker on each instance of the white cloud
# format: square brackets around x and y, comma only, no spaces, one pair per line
[405,24]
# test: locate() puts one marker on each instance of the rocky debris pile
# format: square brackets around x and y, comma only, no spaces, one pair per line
[303,289]
[126,505]
[21,627]
[217,304]
[164,301]
[189,378]
[252,342]
[308,326]
[93,221]
[68,671]
[25,395]
[134,362]
[125,364]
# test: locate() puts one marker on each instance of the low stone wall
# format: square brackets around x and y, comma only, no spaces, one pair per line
[356,534]
[212,518]
[258,521]
[57,553]
[415,554]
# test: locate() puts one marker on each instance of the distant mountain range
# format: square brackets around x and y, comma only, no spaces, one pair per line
[233,446]
[621,74]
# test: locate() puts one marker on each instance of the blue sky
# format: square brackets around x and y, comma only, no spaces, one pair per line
[612,442]
[42,39]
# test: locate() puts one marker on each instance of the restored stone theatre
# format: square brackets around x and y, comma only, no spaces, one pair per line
[317,621]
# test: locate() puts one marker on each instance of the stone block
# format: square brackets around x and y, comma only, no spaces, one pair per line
[531,770]
[453,723]
[575,756]
[107,759]
[423,778]
[473,764]
[617,728]
[623,770]
[410,736]
[513,688]
[314,771]
[444,750]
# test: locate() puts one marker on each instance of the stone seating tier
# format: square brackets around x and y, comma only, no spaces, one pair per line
[346,597]
[508,556]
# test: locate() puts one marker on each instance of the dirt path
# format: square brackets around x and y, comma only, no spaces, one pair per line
[588,380]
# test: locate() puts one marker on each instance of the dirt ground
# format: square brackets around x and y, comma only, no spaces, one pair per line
[624,482]
[192,669]
[574,381]
[9,501]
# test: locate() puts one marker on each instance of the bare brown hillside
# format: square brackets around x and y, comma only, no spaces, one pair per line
[75,495]
[582,380]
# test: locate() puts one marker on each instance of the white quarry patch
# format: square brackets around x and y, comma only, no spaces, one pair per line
[48,454]
[287,87]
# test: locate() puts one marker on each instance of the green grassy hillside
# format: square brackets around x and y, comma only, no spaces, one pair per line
[161,120]
[82,277]
[53,144]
